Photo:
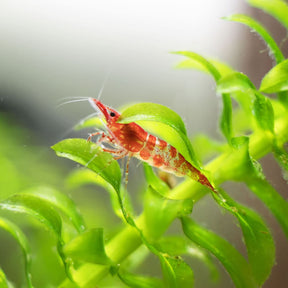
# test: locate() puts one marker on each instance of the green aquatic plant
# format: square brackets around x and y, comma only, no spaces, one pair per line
[89,260]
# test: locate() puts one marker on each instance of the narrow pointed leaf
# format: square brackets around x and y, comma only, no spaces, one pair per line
[201,63]
[91,156]
[249,172]
[276,80]
[276,8]
[221,67]
[138,281]
[226,117]
[261,30]
[272,199]
[234,263]
[264,112]
[88,247]
[19,236]
[177,274]
[258,239]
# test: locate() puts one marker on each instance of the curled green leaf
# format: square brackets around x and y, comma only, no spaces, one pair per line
[59,201]
[234,263]
[39,209]
[258,239]
[20,237]
[276,8]
[201,63]
[261,30]
[221,67]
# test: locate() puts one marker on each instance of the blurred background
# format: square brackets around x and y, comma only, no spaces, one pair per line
[51,50]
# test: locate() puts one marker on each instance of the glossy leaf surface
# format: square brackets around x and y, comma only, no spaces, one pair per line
[231,259]
[258,239]
[91,156]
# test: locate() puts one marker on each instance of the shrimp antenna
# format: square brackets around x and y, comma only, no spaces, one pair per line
[108,74]
[71,100]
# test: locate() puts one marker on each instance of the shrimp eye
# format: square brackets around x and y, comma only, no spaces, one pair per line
[112,114]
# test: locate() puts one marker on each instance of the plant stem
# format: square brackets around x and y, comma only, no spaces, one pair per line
[222,167]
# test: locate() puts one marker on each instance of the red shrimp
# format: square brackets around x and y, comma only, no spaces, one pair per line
[133,141]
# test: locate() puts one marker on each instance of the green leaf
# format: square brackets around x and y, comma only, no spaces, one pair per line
[3,280]
[240,87]
[152,112]
[272,199]
[61,202]
[258,239]
[221,67]
[234,263]
[38,209]
[264,112]
[94,122]
[276,80]
[276,8]
[156,183]
[88,247]
[159,212]
[233,82]
[19,236]
[256,26]
[91,156]
[163,122]
[177,274]
[226,117]
[137,281]
[201,63]
[178,245]
[250,172]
